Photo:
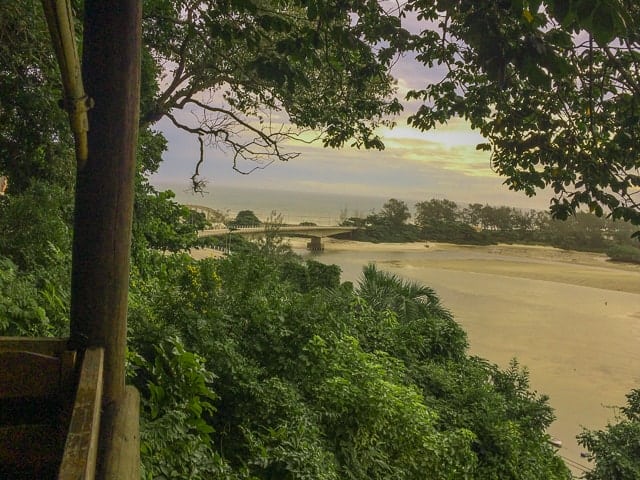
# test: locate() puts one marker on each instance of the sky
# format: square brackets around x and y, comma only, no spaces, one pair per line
[442,163]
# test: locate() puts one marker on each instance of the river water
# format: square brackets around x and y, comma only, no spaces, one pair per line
[572,319]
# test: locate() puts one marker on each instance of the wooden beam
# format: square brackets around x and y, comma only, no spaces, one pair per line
[27,374]
[42,345]
[81,447]
[120,439]
[104,187]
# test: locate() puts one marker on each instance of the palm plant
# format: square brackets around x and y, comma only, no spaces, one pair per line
[425,330]
[409,299]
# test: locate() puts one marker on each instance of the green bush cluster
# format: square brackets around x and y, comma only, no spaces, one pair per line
[445,221]
[260,367]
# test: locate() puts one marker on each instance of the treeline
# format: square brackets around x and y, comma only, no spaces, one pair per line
[446,221]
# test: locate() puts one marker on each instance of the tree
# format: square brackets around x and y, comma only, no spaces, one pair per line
[245,68]
[36,226]
[35,142]
[162,224]
[395,212]
[551,85]
[247,217]
[472,215]
[436,211]
[497,218]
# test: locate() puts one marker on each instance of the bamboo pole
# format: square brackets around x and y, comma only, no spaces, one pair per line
[61,27]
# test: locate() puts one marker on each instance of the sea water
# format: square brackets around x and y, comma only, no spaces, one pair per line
[294,206]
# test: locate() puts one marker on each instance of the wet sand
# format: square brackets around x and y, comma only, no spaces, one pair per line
[572,318]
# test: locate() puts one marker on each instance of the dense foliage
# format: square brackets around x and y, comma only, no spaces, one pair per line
[389,225]
[551,85]
[258,366]
[294,375]
[249,75]
[246,218]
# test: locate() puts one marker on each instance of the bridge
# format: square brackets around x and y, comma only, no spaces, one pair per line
[315,232]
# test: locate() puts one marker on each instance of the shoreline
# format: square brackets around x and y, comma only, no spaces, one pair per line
[534,262]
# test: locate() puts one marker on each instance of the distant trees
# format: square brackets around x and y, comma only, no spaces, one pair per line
[435,211]
[445,221]
[472,214]
[246,217]
[389,225]
[442,220]
[395,212]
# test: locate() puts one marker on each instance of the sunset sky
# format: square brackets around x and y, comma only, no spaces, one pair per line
[415,165]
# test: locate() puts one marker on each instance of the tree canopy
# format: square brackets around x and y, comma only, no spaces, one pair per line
[550,84]
[256,73]
[395,212]
[246,217]
[552,87]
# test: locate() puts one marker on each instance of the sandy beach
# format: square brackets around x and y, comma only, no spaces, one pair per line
[524,261]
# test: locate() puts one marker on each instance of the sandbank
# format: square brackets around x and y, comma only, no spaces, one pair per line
[523,261]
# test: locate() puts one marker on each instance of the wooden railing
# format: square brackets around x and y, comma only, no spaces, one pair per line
[50,415]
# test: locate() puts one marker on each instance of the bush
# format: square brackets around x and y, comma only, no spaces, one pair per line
[31,304]
[624,253]
[616,449]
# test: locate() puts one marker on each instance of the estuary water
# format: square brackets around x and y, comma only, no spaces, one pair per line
[573,319]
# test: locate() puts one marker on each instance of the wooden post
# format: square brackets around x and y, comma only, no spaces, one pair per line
[121,440]
[104,188]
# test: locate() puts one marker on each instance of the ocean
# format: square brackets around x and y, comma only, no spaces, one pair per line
[294,206]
